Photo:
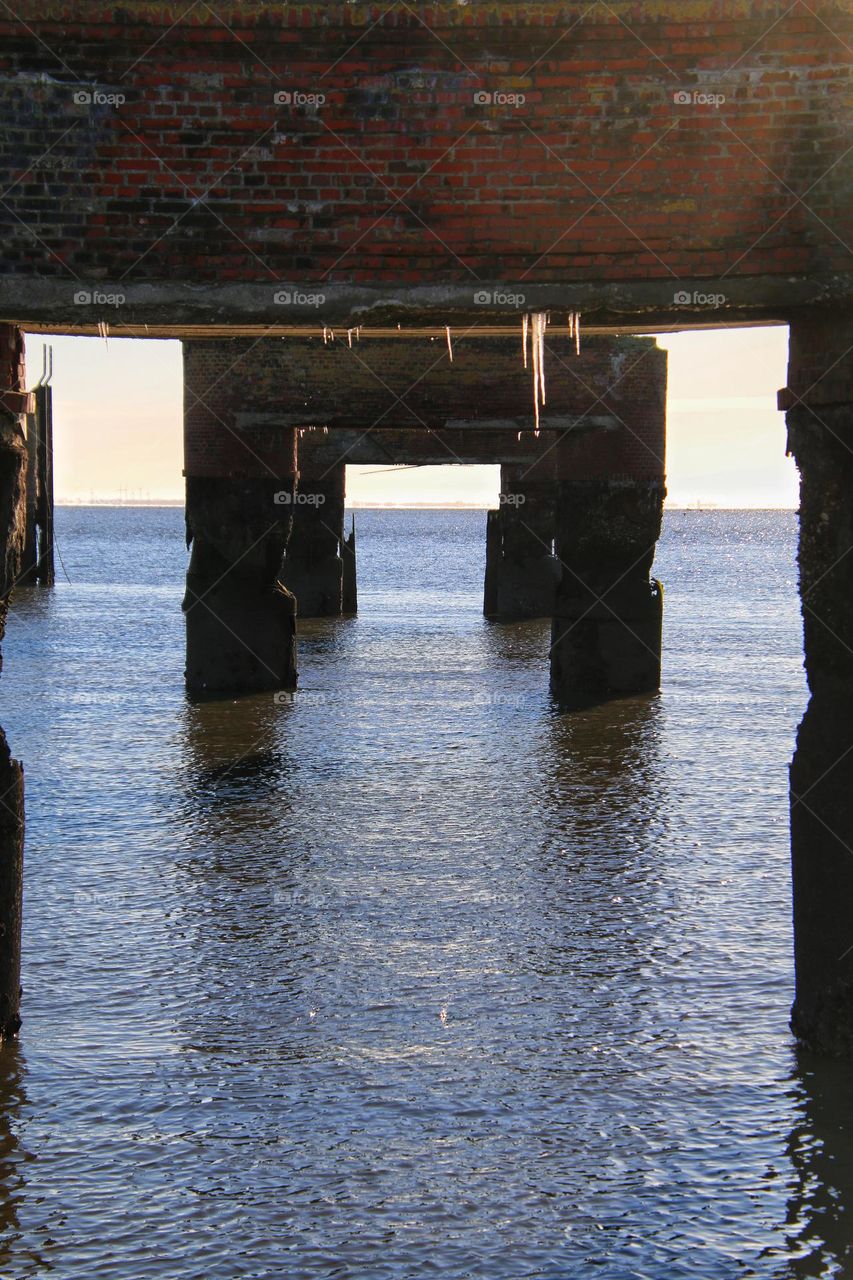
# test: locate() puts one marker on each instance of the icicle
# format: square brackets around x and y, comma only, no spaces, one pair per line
[543,325]
[535,345]
[571,324]
[577,333]
[325,336]
[539,325]
[449,342]
[524,324]
[349,338]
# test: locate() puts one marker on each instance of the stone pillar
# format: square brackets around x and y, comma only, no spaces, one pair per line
[14,404]
[350,600]
[606,637]
[520,566]
[240,483]
[819,403]
[313,568]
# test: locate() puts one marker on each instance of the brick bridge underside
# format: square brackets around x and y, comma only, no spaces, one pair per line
[239,172]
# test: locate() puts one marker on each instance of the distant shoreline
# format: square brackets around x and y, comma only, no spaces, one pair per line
[401,506]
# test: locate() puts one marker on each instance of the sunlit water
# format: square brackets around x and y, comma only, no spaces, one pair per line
[415,976]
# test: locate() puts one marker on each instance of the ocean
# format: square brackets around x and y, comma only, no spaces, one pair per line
[412,975]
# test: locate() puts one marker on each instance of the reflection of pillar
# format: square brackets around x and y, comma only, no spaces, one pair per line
[822,1161]
[241,477]
[606,639]
[313,567]
[13,464]
[521,572]
[819,400]
[350,593]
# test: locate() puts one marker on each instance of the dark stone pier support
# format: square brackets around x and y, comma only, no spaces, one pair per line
[521,571]
[819,401]
[313,568]
[607,627]
[241,483]
[606,638]
[13,471]
[350,604]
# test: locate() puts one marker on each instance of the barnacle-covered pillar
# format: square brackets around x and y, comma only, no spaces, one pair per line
[14,403]
[240,467]
[819,404]
[313,568]
[606,639]
[521,571]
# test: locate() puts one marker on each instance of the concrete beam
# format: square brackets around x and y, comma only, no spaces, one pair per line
[160,308]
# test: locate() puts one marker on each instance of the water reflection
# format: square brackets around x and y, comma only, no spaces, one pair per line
[13,1100]
[820,1149]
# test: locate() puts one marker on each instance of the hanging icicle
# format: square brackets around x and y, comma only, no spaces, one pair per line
[449,342]
[524,327]
[325,335]
[577,333]
[539,325]
[349,338]
[535,346]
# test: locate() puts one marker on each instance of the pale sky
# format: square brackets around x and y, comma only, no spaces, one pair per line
[118,405]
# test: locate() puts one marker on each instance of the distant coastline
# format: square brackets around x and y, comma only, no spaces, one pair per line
[396,506]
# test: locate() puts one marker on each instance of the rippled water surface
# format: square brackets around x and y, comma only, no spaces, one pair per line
[414,976]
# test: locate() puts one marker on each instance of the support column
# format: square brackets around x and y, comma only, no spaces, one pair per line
[241,480]
[521,571]
[313,566]
[13,466]
[819,403]
[607,628]
[37,562]
[350,603]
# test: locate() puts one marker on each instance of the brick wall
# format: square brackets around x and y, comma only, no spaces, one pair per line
[182,166]
[243,395]
[221,380]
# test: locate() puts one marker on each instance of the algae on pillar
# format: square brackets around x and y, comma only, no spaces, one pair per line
[241,479]
[819,401]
